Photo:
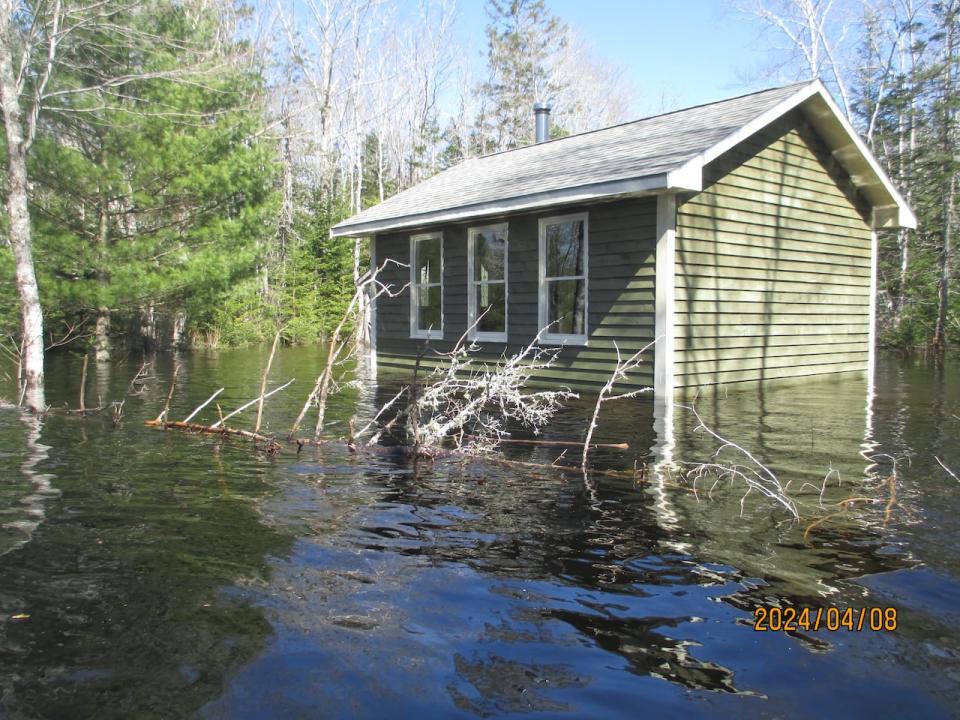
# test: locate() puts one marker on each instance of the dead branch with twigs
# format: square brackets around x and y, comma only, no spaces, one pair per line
[341,347]
[469,404]
[620,373]
[754,474]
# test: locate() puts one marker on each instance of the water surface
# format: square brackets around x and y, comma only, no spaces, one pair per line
[155,574]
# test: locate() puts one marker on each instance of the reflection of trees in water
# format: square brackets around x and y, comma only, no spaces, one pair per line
[604,544]
[122,583]
[649,652]
[20,516]
[507,686]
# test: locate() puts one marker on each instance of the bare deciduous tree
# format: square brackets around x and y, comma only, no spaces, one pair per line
[816,33]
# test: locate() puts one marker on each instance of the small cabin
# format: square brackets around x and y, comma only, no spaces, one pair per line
[738,237]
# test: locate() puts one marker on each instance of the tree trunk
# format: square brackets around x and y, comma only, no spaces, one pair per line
[943,287]
[148,329]
[948,135]
[177,339]
[31,314]
[101,340]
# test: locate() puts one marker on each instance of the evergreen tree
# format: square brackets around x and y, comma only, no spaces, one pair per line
[153,197]
[522,39]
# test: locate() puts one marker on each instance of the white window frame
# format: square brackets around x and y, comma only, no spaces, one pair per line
[416,332]
[554,338]
[472,284]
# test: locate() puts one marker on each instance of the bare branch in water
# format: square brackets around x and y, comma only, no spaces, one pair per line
[471,404]
[950,472]
[756,476]
[620,373]
[256,400]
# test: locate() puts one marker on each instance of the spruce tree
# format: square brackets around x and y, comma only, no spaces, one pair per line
[522,37]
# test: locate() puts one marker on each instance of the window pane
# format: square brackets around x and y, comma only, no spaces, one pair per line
[488,254]
[429,298]
[428,260]
[566,302]
[564,245]
[492,300]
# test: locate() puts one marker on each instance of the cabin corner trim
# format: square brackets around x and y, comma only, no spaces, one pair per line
[665,281]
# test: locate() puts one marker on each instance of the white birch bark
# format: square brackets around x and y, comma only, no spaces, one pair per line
[18,213]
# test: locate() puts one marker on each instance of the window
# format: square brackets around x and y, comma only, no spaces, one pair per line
[563,279]
[426,286]
[487,275]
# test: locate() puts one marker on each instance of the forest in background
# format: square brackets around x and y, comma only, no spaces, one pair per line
[184,161]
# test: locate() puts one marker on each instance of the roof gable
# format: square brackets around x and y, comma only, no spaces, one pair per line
[656,154]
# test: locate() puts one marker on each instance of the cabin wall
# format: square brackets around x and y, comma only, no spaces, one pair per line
[621,264]
[773,265]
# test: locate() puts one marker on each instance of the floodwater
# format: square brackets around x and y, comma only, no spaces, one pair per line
[155,574]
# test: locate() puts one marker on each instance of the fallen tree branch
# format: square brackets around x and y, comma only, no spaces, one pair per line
[173,384]
[559,443]
[240,409]
[272,445]
[202,405]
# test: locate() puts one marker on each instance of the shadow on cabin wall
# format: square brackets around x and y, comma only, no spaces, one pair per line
[773,264]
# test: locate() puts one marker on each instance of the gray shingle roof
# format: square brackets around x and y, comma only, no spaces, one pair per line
[647,148]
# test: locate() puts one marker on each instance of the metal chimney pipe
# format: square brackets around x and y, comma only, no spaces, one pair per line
[542,113]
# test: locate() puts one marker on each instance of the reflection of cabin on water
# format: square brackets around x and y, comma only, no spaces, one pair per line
[740,235]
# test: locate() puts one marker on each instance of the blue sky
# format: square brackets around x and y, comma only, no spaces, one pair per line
[674,52]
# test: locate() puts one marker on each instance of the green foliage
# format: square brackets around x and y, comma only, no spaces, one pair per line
[912,110]
[319,273]
[307,287]
[9,310]
[160,193]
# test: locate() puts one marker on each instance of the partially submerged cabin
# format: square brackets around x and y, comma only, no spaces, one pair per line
[740,236]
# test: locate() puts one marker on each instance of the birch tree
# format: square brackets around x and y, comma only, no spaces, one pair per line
[816,35]
[52,64]
[945,81]
[26,33]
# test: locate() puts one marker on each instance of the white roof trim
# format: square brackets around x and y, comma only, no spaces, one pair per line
[895,213]
[648,185]
[904,215]
[890,208]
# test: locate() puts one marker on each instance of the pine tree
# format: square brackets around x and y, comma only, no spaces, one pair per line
[154,197]
[944,155]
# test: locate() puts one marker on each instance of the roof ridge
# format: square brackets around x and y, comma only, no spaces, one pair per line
[640,120]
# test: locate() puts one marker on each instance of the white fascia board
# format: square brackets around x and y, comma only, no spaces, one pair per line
[688,176]
[694,166]
[852,153]
[649,185]
[905,215]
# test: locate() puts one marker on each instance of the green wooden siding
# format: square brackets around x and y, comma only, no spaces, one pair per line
[772,265]
[621,265]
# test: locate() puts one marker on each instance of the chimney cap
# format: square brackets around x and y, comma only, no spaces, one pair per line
[541,107]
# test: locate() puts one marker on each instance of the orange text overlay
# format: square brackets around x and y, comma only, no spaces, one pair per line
[832,619]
